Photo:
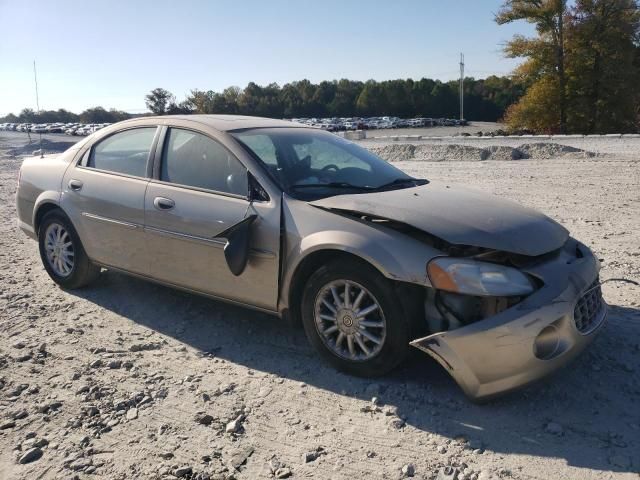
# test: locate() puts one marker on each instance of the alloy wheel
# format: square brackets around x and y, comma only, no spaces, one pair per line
[350,320]
[59,249]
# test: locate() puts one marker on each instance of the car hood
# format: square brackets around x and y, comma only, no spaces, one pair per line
[459,216]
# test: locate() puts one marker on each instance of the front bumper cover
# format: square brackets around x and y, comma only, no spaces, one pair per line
[502,353]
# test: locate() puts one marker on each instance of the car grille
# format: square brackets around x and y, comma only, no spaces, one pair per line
[588,310]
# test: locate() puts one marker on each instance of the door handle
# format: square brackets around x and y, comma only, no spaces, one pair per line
[75,185]
[162,203]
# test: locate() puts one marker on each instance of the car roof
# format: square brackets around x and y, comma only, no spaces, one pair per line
[227,123]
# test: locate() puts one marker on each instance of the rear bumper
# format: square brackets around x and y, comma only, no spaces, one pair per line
[526,342]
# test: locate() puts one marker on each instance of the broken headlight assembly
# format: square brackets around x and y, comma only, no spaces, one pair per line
[466,291]
[470,277]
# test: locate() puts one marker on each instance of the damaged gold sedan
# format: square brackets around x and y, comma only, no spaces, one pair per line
[304,224]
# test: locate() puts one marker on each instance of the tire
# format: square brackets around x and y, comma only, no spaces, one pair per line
[393,338]
[78,271]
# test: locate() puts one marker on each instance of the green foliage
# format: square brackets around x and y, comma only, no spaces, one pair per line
[91,115]
[484,99]
[160,101]
[581,72]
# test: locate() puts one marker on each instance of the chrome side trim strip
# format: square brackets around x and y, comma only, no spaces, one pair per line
[98,218]
[214,242]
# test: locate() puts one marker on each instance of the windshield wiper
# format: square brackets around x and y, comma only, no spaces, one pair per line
[332,185]
[402,181]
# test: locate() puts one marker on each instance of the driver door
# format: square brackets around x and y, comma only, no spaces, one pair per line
[199,190]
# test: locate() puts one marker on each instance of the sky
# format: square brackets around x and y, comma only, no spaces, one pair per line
[112,53]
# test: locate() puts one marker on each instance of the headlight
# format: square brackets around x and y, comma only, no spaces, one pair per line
[477,278]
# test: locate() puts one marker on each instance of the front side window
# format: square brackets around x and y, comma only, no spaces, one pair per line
[195,160]
[309,163]
[124,152]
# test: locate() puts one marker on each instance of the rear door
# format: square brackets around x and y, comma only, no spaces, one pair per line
[103,194]
[199,190]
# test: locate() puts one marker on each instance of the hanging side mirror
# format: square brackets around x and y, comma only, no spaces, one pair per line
[236,250]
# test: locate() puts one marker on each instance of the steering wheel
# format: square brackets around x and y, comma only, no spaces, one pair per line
[331,166]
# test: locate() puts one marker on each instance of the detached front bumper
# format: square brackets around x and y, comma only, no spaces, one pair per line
[531,339]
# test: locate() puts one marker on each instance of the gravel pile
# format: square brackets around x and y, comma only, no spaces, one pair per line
[33,147]
[455,152]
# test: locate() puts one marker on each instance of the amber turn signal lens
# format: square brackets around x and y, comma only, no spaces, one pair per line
[440,278]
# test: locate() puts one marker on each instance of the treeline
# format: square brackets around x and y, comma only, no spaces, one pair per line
[582,70]
[485,99]
[91,115]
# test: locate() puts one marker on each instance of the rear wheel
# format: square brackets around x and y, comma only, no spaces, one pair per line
[62,253]
[352,316]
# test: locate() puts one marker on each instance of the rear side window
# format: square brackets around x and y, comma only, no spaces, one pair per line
[195,160]
[125,152]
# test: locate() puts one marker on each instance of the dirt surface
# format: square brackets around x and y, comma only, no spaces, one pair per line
[127,379]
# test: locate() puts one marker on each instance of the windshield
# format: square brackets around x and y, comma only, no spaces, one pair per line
[309,163]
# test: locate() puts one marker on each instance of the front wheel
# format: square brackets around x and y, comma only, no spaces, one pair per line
[62,253]
[351,315]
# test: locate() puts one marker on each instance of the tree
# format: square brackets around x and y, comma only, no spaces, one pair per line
[581,71]
[602,74]
[546,54]
[159,100]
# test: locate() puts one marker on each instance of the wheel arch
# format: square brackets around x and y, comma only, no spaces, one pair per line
[306,267]
[41,210]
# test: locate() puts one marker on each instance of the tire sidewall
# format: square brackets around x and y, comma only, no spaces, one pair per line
[397,339]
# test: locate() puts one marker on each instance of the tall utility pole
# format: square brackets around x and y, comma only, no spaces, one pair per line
[461,86]
[35,78]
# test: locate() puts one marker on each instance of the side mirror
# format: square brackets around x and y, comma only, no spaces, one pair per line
[236,250]
[256,192]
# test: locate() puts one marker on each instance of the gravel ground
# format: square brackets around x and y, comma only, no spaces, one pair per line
[127,379]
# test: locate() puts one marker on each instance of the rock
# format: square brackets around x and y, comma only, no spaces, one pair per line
[19,415]
[312,455]
[240,456]
[115,364]
[554,428]
[274,464]
[132,414]
[96,363]
[41,442]
[447,473]
[8,424]
[620,461]
[92,410]
[204,419]
[235,426]
[309,457]
[140,347]
[441,449]
[30,455]
[80,464]
[283,472]
[408,470]
[397,423]
[183,471]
